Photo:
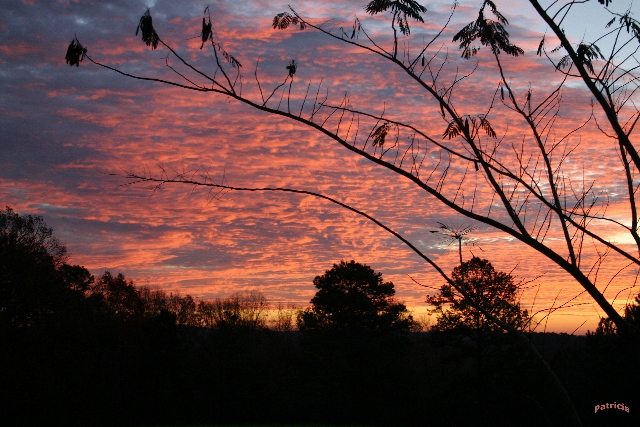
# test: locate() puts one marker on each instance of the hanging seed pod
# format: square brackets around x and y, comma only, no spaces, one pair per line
[75,53]
[292,67]
[206,33]
[149,35]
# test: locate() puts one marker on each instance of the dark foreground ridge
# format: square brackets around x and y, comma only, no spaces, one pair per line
[103,372]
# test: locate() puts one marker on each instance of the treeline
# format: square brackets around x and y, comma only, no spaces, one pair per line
[39,286]
[245,309]
[78,350]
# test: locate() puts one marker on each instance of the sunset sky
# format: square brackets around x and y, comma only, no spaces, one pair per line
[68,135]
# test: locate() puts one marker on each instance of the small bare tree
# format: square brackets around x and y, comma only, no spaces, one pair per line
[246,309]
[284,317]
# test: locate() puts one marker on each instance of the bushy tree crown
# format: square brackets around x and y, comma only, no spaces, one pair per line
[353,296]
[493,290]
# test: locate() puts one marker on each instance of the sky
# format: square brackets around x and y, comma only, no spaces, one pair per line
[69,135]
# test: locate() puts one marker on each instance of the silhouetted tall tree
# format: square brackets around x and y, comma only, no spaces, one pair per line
[35,281]
[118,295]
[352,296]
[493,290]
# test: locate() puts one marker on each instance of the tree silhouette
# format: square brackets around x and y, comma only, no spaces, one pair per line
[352,296]
[76,278]
[607,328]
[119,296]
[35,281]
[242,310]
[493,290]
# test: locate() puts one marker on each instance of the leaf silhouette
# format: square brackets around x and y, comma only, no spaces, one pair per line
[564,62]
[401,9]
[452,131]
[282,21]
[231,59]
[380,134]
[149,35]
[488,32]
[471,125]
[631,25]
[557,49]
[484,124]
[586,55]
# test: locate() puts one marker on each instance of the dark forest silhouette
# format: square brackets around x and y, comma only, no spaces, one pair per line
[77,350]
